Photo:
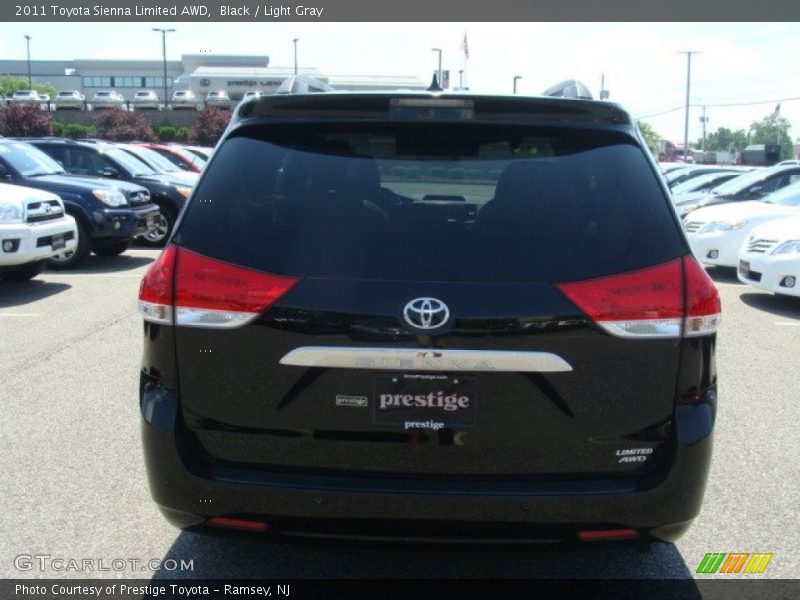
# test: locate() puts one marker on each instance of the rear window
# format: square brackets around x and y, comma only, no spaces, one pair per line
[431,202]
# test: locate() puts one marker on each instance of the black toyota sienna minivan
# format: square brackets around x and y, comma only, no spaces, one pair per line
[430,316]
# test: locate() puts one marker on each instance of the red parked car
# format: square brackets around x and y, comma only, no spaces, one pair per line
[179,157]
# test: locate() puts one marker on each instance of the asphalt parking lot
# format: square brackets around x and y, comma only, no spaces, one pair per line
[75,487]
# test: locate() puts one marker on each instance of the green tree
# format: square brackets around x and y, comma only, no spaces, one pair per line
[724,140]
[651,138]
[9,85]
[773,130]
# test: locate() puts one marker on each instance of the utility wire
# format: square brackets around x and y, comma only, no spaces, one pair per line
[710,105]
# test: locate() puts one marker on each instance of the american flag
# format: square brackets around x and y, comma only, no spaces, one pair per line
[465,46]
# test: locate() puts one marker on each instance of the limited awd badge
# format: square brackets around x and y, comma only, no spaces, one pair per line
[426,313]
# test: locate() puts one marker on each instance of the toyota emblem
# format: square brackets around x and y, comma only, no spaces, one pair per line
[426,313]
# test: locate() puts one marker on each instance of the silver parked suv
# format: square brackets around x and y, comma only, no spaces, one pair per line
[108,99]
[145,100]
[184,99]
[71,99]
[218,99]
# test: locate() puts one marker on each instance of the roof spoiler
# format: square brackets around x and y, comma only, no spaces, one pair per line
[303,84]
[570,88]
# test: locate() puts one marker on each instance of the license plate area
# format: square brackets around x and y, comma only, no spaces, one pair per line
[57,242]
[744,268]
[425,401]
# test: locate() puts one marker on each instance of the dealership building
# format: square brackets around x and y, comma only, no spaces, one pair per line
[200,73]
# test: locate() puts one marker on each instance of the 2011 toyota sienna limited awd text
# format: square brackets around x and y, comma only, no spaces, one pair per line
[430,316]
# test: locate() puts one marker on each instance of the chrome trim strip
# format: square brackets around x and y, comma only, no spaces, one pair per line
[422,359]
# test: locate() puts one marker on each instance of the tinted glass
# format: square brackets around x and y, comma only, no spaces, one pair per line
[29,161]
[787,196]
[152,158]
[432,202]
[130,163]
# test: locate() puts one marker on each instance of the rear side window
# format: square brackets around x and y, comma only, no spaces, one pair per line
[431,202]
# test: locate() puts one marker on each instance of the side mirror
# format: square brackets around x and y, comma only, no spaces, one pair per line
[110,172]
[4,174]
[757,192]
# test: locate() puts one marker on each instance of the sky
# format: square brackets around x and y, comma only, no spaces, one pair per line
[643,69]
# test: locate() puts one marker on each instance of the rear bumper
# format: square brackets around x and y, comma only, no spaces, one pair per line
[298,504]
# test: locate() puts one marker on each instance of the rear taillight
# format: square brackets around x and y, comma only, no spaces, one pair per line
[155,291]
[703,306]
[659,302]
[204,292]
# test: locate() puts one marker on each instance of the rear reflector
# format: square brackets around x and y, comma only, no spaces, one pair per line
[607,534]
[658,302]
[703,306]
[155,291]
[204,292]
[241,524]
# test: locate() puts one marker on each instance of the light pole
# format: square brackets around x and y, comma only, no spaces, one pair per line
[439,70]
[516,77]
[688,54]
[164,33]
[704,120]
[461,79]
[28,43]
[294,41]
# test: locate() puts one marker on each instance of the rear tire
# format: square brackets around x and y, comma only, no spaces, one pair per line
[24,273]
[159,236]
[114,248]
[66,260]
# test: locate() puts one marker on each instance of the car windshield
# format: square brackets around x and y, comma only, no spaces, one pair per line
[67,94]
[700,182]
[132,164]
[30,161]
[788,196]
[189,157]
[152,158]
[737,184]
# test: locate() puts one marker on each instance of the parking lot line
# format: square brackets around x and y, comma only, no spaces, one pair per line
[19,315]
[787,323]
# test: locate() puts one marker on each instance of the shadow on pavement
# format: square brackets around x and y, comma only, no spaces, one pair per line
[19,293]
[723,275]
[99,264]
[244,557]
[782,306]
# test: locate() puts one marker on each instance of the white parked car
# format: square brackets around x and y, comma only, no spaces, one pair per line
[716,233]
[218,99]
[33,228]
[770,257]
[69,99]
[108,99]
[184,99]
[145,100]
[25,97]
